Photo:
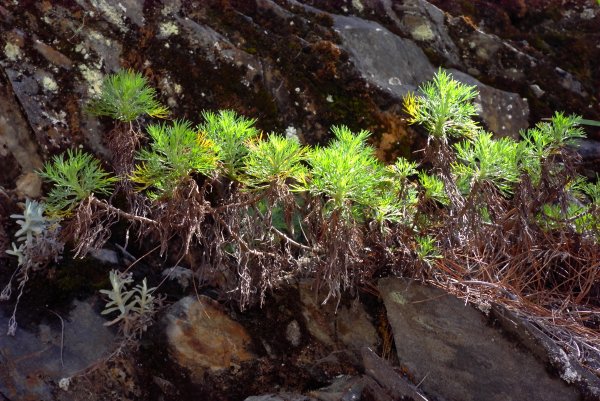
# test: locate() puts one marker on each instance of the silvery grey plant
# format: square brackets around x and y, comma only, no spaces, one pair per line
[36,244]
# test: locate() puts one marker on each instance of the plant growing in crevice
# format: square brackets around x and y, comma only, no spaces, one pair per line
[135,306]
[445,109]
[259,210]
[230,134]
[126,98]
[36,245]
[74,178]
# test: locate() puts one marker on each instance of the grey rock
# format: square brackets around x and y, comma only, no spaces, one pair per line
[32,362]
[105,255]
[384,59]
[343,388]
[382,372]
[454,352]
[399,66]
[425,23]
[504,113]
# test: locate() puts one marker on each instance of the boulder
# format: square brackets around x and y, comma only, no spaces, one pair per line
[456,355]
[202,336]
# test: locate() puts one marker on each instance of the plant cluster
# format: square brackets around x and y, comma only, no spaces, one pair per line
[264,208]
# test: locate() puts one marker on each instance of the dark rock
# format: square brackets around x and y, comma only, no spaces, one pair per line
[450,348]
[382,372]
[399,66]
[347,326]
[280,397]
[33,362]
[590,155]
[343,388]
[372,391]
[547,352]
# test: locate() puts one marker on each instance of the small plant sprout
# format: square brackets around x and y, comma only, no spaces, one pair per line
[274,160]
[230,134]
[126,97]
[486,160]
[445,108]
[74,177]
[346,172]
[176,152]
[131,304]
[427,250]
[433,188]
[36,245]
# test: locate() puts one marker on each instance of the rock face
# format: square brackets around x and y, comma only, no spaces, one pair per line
[202,336]
[306,65]
[399,66]
[457,355]
[33,362]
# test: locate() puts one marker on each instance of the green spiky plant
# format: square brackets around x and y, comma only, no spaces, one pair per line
[231,135]
[444,107]
[486,209]
[175,153]
[346,172]
[125,97]
[74,178]
[274,160]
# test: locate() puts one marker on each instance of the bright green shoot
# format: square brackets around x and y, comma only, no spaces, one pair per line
[547,139]
[274,161]
[485,159]
[231,135]
[126,97]
[427,250]
[346,172]
[176,152]
[74,178]
[445,108]
[433,188]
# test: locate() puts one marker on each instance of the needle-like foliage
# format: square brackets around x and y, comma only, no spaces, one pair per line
[126,96]
[433,188]
[546,140]
[230,134]
[74,178]
[176,151]
[445,107]
[485,159]
[274,160]
[346,172]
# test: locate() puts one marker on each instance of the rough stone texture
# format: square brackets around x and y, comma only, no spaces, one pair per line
[288,64]
[382,372]
[31,362]
[457,355]
[202,336]
[348,326]
[399,66]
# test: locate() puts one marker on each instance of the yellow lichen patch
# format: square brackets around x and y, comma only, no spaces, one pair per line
[12,51]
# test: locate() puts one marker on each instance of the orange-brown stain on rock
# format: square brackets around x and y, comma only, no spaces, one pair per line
[205,337]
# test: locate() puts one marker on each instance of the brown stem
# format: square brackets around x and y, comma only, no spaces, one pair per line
[121,213]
